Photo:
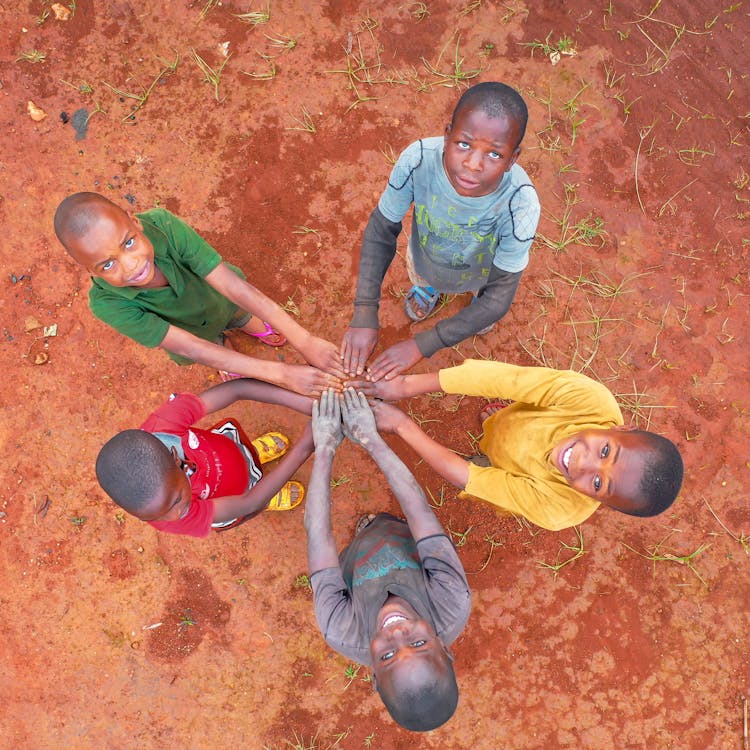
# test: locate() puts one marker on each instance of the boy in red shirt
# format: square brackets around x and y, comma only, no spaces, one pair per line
[187,480]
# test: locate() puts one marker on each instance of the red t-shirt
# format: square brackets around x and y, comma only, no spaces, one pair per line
[221,468]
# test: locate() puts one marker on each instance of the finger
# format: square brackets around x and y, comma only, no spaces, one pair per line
[325,403]
[396,368]
[358,361]
[333,402]
[361,400]
[335,384]
[377,369]
[361,385]
[336,399]
[349,395]
[347,354]
[316,410]
[336,369]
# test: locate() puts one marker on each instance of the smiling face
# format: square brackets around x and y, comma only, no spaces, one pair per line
[479,150]
[606,465]
[405,648]
[115,249]
[172,501]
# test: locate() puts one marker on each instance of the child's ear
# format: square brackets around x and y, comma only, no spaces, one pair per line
[514,157]
[448,129]
[134,219]
[176,456]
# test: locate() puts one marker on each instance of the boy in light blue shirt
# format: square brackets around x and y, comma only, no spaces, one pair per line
[475,216]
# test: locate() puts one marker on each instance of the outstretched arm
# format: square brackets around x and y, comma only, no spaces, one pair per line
[377,253]
[491,305]
[318,352]
[402,386]
[359,425]
[444,461]
[326,427]
[225,394]
[300,378]
[256,499]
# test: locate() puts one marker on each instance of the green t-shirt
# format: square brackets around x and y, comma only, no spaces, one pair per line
[189,302]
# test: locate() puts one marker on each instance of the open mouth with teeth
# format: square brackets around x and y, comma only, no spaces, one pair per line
[565,458]
[392,620]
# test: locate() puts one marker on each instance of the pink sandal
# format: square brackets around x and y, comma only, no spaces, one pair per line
[263,336]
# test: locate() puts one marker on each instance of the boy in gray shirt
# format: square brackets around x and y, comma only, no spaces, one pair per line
[475,216]
[397,596]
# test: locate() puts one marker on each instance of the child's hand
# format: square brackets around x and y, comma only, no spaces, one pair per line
[325,356]
[385,390]
[309,381]
[326,421]
[395,360]
[356,348]
[387,416]
[359,421]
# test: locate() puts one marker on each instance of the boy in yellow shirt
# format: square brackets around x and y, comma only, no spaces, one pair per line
[555,454]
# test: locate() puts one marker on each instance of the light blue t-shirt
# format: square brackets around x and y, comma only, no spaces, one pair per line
[457,239]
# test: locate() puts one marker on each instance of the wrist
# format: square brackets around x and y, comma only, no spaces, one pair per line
[371,441]
[403,426]
[325,451]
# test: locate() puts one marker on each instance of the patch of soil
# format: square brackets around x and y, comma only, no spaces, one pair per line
[633,635]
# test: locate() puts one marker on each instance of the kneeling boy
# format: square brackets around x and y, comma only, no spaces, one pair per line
[161,284]
[186,480]
[554,455]
[397,596]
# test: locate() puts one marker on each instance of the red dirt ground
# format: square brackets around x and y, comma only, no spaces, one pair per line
[638,145]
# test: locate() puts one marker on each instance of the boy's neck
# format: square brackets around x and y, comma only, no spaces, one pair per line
[159,279]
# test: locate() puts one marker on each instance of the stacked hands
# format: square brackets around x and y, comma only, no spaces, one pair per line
[339,369]
[358,345]
[349,414]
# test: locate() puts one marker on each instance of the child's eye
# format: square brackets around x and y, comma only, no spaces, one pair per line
[463,145]
[417,644]
[107,265]
[605,450]
[129,243]
[495,155]
[387,655]
[597,483]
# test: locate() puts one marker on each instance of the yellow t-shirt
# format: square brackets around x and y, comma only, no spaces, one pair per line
[550,405]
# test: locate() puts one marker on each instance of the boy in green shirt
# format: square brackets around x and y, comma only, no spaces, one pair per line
[158,282]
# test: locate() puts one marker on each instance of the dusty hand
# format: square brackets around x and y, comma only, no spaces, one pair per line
[326,421]
[309,381]
[356,347]
[394,360]
[325,356]
[386,390]
[387,416]
[357,416]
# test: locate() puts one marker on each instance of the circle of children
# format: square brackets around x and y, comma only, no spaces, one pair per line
[397,596]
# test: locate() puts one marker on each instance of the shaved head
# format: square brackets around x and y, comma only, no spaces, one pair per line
[78,213]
